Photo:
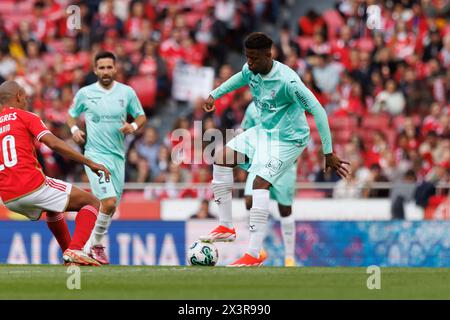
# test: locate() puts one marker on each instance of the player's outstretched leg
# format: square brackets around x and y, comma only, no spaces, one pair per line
[259,215]
[58,226]
[222,185]
[288,232]
[97,249]
[88,206]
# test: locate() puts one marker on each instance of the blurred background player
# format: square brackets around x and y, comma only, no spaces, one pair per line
[26,190]
[271,147]
[107,104]
[282,192]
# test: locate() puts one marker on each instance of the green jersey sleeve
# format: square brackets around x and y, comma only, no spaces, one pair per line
[237,81]
[303,97]
[78,105]
[134,107]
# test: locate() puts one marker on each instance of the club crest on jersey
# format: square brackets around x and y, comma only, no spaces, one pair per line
[122,103]
[274,165]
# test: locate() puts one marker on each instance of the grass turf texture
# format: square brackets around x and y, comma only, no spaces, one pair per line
[207,283]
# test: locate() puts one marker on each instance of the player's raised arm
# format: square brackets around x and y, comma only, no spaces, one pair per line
[235,82]
[62,148]
[129,128]
[134,108]
[78,135]
[306,99]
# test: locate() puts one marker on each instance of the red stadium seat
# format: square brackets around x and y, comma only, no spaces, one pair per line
[342,136]
[391,136]
[345,123]
[310,194]
[7,7]
[305,42]
[398,122]
[25,7]
[334,22]
[145,88]
[365,44]
[376,122]
[57,46]
[192,18]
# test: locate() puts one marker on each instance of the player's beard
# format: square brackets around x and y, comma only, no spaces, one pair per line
[106,81]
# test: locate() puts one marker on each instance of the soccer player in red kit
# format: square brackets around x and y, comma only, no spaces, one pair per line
[25,189]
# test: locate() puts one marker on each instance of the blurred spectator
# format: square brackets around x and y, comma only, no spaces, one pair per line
[147,147]
[311,23]
[445,52]
[390,100]
[401,72]
[8,65]
[434,47]
[105,20]
[160,172]
[203,212]
[151,64]
[286,43]
[402,193]
[136,167]
[329,177]
[376,176]
[427,188]
[326,73]
[351,188]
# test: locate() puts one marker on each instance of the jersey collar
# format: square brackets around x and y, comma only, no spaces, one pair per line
[107,91]
[271,72]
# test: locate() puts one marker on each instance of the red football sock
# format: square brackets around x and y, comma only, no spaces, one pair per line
[84,223]
[58,226]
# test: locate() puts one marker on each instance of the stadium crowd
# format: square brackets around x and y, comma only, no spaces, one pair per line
[386,88]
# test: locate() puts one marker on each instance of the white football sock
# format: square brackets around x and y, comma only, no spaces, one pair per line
[259,214]
[101,228]
[288,231]
[222,185]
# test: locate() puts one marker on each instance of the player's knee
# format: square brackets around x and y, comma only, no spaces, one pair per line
[109,205]
[285,211]
[260,183]
[248,202]
[93,201]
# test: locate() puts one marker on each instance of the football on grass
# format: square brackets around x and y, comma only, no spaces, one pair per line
[202,254]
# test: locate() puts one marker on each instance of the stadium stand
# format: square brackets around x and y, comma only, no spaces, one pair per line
[367,80]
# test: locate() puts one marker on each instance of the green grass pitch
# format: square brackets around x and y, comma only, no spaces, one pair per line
[217,283]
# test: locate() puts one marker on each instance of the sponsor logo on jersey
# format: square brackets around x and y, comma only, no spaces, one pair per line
[96,118]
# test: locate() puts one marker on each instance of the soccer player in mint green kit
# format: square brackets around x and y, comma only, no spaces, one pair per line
[271,147]
[282,191]
[106,105]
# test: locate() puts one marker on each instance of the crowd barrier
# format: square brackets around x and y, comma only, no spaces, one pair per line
[319,243]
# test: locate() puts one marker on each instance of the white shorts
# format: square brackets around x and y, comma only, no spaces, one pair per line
[52,196]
